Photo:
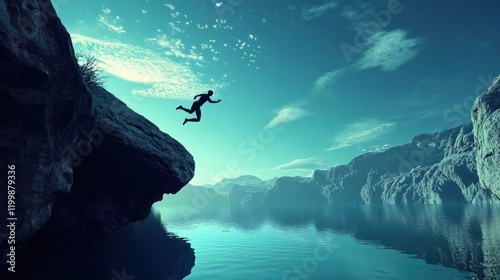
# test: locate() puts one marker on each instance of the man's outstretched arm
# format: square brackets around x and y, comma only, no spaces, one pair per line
[196,96]
[211,101]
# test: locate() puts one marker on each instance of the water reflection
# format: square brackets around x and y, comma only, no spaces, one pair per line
[465,237]
[141,250]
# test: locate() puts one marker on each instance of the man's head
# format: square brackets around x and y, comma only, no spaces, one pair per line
[210,92]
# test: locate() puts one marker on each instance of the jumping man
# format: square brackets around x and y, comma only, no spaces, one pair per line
[196,106]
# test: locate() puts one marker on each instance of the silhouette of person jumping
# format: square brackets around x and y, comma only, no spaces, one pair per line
[196,106]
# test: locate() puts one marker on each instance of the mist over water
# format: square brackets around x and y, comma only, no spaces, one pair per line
[342,242]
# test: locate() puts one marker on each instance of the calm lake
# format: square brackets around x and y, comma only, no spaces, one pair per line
[349,242]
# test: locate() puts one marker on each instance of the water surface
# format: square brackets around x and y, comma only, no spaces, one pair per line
[351,242]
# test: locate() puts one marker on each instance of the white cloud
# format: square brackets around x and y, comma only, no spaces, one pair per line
[316,11]
[361,132]
[124,61]
[338,146]
[112,24]
[222,24]
[183,87]
[145,11]
[248,51]
[159,75]
[389,50]
[174,27]
[287,114]
[383,50]
[170,6]
[106,11]
[175,47]
[325,81]
[304,164]
[202,27]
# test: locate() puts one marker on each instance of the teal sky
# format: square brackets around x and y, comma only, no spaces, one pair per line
[304,84]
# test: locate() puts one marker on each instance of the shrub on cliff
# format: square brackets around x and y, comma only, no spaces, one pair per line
[92,73]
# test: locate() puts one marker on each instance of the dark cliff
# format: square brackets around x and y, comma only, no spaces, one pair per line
[84,162]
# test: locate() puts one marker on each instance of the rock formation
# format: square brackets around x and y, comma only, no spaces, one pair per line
[432,169]
[84,162]
[130,167]
[44,105]
[486,120]
[249,181]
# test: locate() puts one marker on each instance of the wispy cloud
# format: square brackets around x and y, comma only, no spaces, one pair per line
[323,83]
[389,50]
[382,49]
[111,23]
[170,6]
[175,47]
[162,76]
[304,164]
[386,50]
[287,114]
[310,12]
[300,167]
[361,132]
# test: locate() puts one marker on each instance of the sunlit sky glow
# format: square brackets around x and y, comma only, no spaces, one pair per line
[304,84]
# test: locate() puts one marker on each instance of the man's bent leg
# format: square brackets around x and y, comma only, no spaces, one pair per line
[186,110]
[198,114]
